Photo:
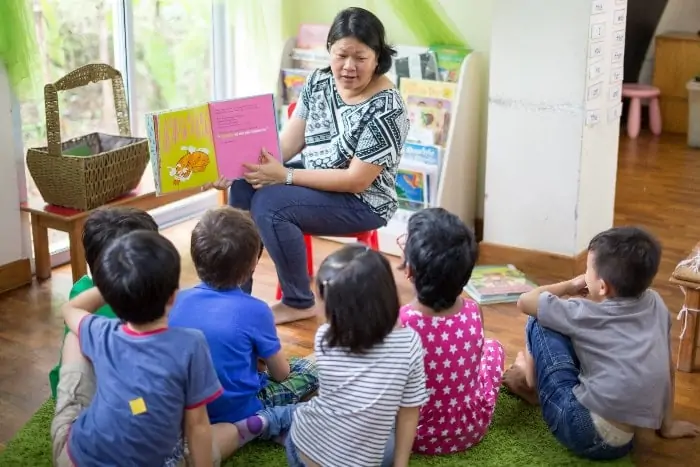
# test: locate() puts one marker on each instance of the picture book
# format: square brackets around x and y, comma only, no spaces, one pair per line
[429,123]
[312,36]
[412,189]
[416,184]
[419,66]
[497,284]
[194,146]
[429,105]
[421,88]
[428,154]
[293,80]
[449,61]
[310,50]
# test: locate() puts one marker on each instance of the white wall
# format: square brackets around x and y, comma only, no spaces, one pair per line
[679,15]
[550,179]
[14,244]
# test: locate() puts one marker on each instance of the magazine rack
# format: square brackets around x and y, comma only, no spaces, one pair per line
[457,188]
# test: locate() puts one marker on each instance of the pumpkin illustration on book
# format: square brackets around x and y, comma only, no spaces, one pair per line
[194,161]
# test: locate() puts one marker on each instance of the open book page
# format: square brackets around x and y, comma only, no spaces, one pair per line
[241,128]
[185,149]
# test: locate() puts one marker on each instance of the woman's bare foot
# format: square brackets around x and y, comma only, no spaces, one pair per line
[287,314]
[516,381]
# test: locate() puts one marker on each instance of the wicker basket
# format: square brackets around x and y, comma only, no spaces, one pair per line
[114,164]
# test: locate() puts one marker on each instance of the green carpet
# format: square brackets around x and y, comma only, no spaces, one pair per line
[518,437]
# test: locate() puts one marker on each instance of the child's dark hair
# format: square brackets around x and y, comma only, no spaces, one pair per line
[360,297]
[627,259]
[105,224]
[137,274]
[225,247]
[441,252]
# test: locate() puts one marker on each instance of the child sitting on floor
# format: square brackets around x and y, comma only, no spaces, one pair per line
[130,388]
[372,380]
[463,368]
[101,227]
[601,366]
[240,329]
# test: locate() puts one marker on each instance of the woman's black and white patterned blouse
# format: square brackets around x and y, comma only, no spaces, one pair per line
[373,131]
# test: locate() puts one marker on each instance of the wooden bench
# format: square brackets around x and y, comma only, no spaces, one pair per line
[45,216]
[687,277]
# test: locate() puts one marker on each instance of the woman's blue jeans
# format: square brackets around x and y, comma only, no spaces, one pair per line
[557,369]
[284,213]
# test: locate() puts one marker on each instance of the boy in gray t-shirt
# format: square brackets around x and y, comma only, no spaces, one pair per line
[601,366]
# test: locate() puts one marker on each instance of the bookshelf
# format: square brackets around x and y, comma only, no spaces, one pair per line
[457,187]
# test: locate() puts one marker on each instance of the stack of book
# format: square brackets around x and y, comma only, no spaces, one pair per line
[497,284]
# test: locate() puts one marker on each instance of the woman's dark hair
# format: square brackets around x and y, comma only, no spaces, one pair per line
[364,26]
[441,252]
[360,298]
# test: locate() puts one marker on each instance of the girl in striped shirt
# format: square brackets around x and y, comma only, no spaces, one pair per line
[371,372]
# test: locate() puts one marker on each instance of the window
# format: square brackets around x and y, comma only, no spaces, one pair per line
[70,33]
[164,50]
[172,62]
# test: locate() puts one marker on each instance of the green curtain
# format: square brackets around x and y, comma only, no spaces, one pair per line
[18,46]
[428,21]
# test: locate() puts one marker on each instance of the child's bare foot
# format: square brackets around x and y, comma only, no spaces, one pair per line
[287,314]
[515,380]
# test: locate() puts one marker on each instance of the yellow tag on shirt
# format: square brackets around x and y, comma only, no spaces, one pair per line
[138,406]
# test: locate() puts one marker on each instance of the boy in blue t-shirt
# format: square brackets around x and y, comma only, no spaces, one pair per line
[240,330]
[101,227]
[131,388]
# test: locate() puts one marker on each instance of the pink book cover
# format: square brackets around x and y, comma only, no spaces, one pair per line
[241,128]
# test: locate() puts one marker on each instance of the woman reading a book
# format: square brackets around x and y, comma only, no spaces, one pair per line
[349,125]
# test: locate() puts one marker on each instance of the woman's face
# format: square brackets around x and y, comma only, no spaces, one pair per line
[353,63]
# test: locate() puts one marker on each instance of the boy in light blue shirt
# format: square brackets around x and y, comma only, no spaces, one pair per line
[240,330]
[131,389]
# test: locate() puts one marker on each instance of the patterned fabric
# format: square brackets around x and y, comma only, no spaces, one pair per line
[463,372]
[302,381]
[374,131]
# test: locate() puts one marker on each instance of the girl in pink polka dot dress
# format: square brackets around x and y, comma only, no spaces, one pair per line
[463,368]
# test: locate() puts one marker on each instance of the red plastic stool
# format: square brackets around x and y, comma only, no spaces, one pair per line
[369,238]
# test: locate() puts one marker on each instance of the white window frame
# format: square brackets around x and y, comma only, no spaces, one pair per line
[222,88]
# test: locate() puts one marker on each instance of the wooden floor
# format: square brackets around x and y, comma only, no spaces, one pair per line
[657,187]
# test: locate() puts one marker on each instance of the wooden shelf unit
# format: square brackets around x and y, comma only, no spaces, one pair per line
[677,61]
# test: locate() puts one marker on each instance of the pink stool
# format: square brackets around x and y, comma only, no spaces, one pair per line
[637,92]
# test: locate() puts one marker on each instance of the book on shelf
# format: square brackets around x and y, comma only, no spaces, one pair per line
[419,162]
[428,154]
[193,146]
[416,185]
[418,66]
[429,106]
[449,61]
[491,284]
[293,80]
[311,51]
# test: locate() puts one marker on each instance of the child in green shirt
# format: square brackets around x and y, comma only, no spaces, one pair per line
[101,227]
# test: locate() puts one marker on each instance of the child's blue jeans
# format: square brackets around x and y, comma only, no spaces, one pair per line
[557,370]
[279,420]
